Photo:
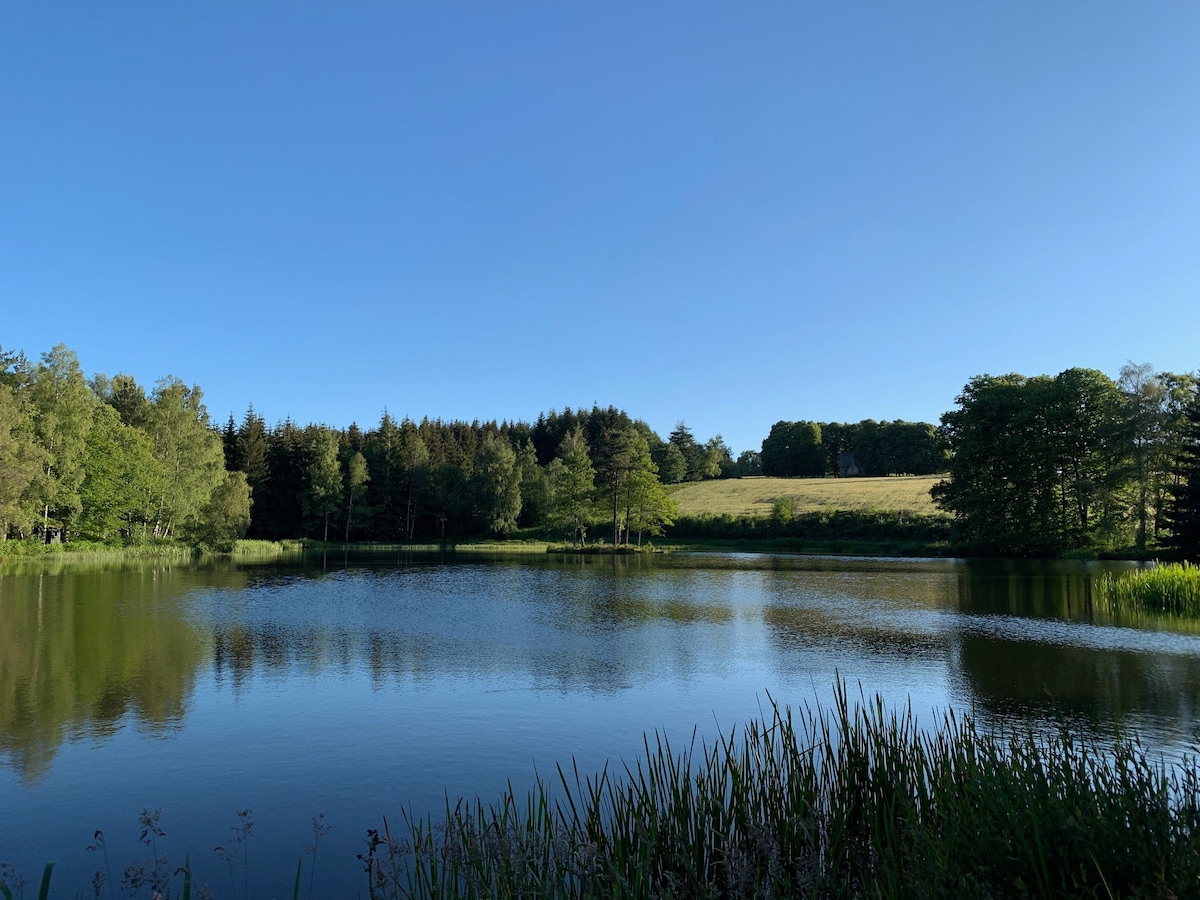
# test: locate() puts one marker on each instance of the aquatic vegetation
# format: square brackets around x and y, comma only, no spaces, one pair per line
[850,802]
[1172,589]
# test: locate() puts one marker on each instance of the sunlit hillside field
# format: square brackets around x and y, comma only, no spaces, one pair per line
[756,496]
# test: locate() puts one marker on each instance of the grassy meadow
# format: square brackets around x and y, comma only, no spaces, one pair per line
[756,497]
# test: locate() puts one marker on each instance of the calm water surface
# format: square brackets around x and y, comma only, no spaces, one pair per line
[363,687]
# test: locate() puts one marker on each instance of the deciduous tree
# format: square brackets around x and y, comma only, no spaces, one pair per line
[324,477]
[793,449]
[62,407]
[574,486]
[1037,465]
[226,515]
[189,450]
[19,461]
[122,482]
[497,485]
[356,485]
[648,508]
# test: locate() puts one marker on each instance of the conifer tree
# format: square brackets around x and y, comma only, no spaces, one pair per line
[1183,510]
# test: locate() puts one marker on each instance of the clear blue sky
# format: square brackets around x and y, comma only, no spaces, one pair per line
[724,213]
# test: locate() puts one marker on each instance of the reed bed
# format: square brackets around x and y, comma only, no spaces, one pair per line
[852,801]
[246,547]
[1172,589]
[847,801]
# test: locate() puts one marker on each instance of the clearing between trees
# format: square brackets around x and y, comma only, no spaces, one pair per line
[757,496]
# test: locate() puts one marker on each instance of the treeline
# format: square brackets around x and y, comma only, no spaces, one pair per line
[892,532]
[106,460]
[1074,463]
[1041,466]
[816,449]
[432,480]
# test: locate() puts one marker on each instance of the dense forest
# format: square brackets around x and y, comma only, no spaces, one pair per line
[106,460]
[1036,466]
[1074,463]
[813,449]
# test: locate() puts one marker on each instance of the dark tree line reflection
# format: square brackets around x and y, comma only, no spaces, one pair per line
[84,653]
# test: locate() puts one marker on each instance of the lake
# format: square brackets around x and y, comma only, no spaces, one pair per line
[362,687]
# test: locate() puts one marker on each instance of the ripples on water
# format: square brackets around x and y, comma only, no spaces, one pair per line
[360,689]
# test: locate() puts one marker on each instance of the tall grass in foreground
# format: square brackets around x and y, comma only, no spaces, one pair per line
[855,801]
[1172,589]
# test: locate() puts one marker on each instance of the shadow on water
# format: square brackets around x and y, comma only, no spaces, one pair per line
[374,677]
[81,653]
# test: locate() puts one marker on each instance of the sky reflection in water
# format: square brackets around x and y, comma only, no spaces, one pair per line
[362,690]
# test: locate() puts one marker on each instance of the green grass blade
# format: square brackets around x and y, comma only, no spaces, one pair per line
[44,890]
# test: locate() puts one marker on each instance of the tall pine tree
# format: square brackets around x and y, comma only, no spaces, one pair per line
[1183,508]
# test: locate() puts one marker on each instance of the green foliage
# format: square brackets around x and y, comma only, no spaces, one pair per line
[1145,412]
[323,497]
[615,458]
[647,507]
[782,509]
[793,449]
[497,483]
[1038,465]
[122,480]
[693,454]
[1183,508]
[280,503]
[718,460]
[893,532]
[251,450]
[537,487]
[126,396]
[189,451]
[356,485]
[672,465]
[887,448]
[852,801]
[20,462]
[226,516]
[749,463]
[1171,589]
[1073,464]
[574,486]
[62,407]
